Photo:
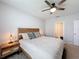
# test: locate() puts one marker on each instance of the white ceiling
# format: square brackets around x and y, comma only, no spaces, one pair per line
[34,7]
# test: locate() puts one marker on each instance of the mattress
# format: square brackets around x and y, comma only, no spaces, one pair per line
[43,47]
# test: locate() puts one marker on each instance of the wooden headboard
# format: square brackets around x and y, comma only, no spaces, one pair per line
[25,30]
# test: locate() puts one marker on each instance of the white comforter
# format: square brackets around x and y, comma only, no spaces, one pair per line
[43,47]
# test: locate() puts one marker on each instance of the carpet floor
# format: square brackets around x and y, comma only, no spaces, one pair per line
[17,56]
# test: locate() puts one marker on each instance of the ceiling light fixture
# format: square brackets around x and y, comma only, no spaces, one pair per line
[53,9]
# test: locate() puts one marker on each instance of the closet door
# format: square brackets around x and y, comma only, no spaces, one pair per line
[76,32]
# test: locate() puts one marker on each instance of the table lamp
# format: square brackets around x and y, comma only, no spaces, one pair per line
[11,37]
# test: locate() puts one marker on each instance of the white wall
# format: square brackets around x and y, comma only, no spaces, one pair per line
[49,27]
[68,27]
[11,19]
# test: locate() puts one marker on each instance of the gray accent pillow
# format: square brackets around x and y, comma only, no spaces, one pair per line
[31,35]
[37,34]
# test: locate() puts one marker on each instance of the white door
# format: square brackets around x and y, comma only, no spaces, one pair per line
[76,32]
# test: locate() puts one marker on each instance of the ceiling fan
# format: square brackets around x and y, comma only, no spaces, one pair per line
[53,6]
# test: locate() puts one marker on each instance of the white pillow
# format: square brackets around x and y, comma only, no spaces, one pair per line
[25,36]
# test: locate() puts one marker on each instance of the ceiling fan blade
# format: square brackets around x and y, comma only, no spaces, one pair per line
[62,1]
[48,3]
[61,8]
[45,10]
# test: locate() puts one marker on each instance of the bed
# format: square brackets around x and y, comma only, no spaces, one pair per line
[42,47]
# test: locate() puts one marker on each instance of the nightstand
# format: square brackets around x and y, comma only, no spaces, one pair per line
[8,48]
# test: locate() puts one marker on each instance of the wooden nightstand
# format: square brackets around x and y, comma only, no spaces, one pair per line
[8,48]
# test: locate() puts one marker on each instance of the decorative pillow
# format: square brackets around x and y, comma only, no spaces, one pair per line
[31,35]
[24,35]
[37,34]
[20,37]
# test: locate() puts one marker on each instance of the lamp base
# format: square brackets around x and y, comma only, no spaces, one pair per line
[10,42]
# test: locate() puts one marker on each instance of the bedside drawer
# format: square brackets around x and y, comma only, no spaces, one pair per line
[8,52]
[7,49]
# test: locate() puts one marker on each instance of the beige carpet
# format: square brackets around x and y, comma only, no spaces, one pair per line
[72,51]
[17,56]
